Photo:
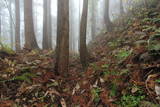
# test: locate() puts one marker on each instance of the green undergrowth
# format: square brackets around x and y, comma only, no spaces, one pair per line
[26,77]
[142,36]
[7,49]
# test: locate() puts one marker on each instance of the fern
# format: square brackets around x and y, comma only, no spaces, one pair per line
[95,94]
[156,20]
[24,77]
[158,30]
[153,42]
[113,91]
[123,54]
[146,20]
[148,28]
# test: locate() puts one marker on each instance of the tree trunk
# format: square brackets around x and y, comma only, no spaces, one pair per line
[0,23]
[47,27]
[146,3]
[17,28]
[83,30]
[121,8]
[11,23]
[106,16]
[93,27]
[72,26]
[62,37]
[49,24]
[30,39]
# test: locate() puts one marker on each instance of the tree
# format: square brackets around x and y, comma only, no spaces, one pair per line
[83,29]
[93,26]
[11,23]
[121,8]
[0,21]
[62,49]
[47,26]
[17,28]
[30,39]
[74,24]
[146,3]
[106,16]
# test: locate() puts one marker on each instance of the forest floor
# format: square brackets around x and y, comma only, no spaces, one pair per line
[123,71]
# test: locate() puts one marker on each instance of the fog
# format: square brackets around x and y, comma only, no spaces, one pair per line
[8,20]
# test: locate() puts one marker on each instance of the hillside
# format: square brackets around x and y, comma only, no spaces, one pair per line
[123,71]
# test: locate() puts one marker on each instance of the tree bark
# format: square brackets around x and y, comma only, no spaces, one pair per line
[146,3]
[17,28]
[0,23]
[30,39]
[83,31]
[106,16]
[47,27]
[62,51]
[72,26]
[11,23]
[121,8]
[93,26]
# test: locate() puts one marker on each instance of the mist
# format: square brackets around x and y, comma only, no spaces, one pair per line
[8,23]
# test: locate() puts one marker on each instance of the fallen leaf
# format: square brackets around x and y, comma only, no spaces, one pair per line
[63,102]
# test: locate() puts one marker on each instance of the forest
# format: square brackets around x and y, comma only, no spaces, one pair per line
[79,53]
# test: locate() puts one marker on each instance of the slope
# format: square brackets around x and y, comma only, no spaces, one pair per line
[123,71]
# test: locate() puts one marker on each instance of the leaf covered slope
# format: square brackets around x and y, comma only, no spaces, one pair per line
[123,71]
